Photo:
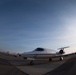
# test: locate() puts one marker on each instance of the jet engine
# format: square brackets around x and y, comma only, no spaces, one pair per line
[62,50]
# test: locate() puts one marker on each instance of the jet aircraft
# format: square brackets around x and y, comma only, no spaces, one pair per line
[43,53]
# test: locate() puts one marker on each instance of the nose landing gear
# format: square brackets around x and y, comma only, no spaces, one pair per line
[32,62]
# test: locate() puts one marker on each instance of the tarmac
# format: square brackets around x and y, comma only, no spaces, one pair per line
[8,69]
[40,67]
[68,68]
[10,65]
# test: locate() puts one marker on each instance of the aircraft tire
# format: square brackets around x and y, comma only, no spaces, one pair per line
[32,62]
[50,59]
[24,58]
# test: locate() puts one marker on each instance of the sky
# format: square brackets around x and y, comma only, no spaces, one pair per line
[28,24]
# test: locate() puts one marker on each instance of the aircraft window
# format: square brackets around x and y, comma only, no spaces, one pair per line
[39,49]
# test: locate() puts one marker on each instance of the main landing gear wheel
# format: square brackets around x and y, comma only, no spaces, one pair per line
[32,62]
[50,59]
[61,58]
[24,57]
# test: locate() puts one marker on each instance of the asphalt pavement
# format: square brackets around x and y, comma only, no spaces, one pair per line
[68,68]
[8,69]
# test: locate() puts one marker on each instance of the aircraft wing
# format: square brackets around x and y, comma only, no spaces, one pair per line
[64,55]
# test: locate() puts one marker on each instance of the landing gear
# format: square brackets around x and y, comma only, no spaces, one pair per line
[24,57]
[32,62]
[61,58]
[50,59]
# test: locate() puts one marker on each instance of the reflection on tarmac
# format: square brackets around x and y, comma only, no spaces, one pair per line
[40,67]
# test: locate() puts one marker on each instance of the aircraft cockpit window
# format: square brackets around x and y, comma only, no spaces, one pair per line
[39,49]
